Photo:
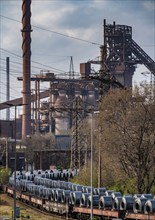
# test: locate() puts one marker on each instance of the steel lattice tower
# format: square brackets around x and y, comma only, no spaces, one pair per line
[77,140]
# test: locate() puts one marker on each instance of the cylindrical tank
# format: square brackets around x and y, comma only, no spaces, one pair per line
[61,117]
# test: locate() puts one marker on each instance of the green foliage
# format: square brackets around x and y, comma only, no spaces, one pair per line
[4,176]
[125,187]
[153,190]
[127,123]
[84,177]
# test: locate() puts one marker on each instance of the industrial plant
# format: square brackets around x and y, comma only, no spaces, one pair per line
[69,99]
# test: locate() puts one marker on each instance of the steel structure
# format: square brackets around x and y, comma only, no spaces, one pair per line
[77,139]
[120,54]
[123,53]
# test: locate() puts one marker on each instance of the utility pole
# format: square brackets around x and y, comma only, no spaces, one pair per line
[6,153]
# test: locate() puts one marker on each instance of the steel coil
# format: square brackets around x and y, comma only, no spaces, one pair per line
[127,202]
[53,194]
[75,197]
[70,186]
[135,196]
[85,189]
[58,195]
[95,201]
[65,196]
[105,202]
[99,191]
[109,192]
[40,191]
[37,187]
[147,196]
[78,188]
[149,206]
[116,194]
[84,198]
[117,203]
[73,187]
[138,205]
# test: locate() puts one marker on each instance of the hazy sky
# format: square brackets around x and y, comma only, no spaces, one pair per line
[81,19]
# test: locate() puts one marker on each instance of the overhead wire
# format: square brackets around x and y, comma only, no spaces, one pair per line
[44,65]
[13,89]
[55,32]
[64,35]
[14,62]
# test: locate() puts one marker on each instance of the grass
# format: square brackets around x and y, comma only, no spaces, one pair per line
[6,210]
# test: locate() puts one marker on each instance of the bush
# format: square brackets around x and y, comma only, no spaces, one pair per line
[4,176]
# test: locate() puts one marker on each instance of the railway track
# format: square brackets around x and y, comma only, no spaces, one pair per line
[73,204]
[44,212]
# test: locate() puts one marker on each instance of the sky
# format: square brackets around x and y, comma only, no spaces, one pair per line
[82,21]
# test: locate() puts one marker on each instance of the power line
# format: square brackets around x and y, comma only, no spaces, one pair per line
[55,32]
[47,66]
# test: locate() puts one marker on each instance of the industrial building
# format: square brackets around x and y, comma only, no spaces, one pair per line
[71,99]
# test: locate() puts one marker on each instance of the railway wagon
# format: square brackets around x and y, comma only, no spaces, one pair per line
[65,198]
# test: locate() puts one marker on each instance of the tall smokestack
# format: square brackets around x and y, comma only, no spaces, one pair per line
[26,47]
[8,86]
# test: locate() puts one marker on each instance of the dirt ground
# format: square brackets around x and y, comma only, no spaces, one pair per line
[6,210]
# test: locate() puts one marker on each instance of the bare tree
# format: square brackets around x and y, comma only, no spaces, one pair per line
[127,120]
[38,143]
